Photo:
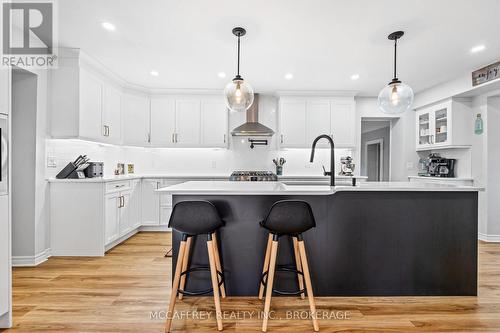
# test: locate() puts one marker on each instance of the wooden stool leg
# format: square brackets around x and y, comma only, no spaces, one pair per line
[298,263]
[215,283]
[270,280]
[185,265]
[218,264]
[266,263]
[307,277]
[175,286]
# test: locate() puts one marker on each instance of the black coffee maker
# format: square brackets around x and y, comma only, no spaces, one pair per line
[441,167]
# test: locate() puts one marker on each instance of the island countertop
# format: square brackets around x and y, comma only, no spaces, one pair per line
[281,188]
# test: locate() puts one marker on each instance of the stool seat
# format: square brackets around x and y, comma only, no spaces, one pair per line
[289,217]
[195,218]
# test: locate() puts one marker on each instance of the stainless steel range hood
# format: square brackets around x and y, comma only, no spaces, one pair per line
[252,127]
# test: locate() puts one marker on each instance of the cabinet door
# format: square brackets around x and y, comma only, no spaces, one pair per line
[343,122]
[112,216]
[440,126]
[126,213]
[4,90]
[90,107]
[293,123]
[162,122]
[424,129]
[135,204]
[136,120]
[187,122]
[317,119]
[4,254]
[112,115]
[150,202]
[214,123]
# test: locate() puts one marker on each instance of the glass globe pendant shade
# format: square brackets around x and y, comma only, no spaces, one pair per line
[239,95]
[397,97]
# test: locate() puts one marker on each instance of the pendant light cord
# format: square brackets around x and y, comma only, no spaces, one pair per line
[238,69]
[395,56]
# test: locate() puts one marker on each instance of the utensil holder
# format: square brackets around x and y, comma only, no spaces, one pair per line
[279,170]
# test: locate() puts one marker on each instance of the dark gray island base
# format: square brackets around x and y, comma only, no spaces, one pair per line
[365,243]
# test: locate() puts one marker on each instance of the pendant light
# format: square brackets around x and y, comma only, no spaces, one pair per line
[239,94]
[397,97]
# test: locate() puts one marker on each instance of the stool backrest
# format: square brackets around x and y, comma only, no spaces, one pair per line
[195,217]
[289,217]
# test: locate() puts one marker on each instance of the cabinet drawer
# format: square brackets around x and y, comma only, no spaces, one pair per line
[118,186]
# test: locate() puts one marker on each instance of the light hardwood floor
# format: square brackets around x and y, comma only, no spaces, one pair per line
[118,293]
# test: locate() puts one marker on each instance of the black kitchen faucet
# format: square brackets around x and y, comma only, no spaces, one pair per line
[332,157]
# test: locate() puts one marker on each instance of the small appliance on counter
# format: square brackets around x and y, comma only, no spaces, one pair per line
[79,169]
[438,166]
[253,176]
[346,166]
[94,170]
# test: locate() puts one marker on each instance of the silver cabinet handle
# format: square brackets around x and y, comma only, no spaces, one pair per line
[104,130]
[176,140]
[224,138]
[149,137]
[109,130]
[173,136]
[281,138]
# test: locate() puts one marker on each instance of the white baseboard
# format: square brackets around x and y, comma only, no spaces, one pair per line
[30,261]
[163,228]
[6,320]
[488,238]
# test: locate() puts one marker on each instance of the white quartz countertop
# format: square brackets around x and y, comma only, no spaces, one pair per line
[441,178]
[279,188]
[204,176]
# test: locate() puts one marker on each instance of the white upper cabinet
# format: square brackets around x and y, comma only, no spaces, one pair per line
[214,123]
[343,122]
[4,90]
[112,114]
[444,125]
[90,111]
[162,122]
[187,122]
[136,120]
[317,119]
[292,123]
[303,119]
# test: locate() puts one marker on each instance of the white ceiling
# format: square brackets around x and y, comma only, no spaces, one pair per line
[322,42]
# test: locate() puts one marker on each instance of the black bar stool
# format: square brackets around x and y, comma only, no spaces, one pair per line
[287,218]
[193,218]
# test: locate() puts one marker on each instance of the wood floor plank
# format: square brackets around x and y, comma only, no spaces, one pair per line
[128,289]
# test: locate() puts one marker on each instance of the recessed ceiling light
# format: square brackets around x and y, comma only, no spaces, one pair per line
[154,73]
[477,48]
[221,75]
[289,76]
[354,76]
[108,26]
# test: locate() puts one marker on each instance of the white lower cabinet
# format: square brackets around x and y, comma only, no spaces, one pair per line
[4,255]
[150,202]
[87,219]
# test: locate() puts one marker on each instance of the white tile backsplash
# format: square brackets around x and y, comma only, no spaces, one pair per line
[190,160]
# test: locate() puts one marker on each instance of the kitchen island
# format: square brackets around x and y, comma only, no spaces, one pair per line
[374,239]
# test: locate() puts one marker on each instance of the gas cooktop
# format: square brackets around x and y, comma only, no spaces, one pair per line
[253,176]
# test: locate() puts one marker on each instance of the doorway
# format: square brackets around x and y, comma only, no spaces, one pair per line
[375,149]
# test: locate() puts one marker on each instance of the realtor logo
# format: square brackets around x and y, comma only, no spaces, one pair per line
[28,35]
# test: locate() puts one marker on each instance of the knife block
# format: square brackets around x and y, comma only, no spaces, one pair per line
[66,171]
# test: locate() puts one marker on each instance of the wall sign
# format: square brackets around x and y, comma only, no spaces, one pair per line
[486,74]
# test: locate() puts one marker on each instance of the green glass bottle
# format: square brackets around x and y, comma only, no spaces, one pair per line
[478,125]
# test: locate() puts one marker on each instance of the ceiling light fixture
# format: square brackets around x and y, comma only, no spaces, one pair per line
[221,75]
[239,94]
[397,97]
[478,48]
[108,26]
[154,73]
[289,76]
[354,77]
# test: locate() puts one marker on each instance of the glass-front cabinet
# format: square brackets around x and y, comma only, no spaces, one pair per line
[444,125]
